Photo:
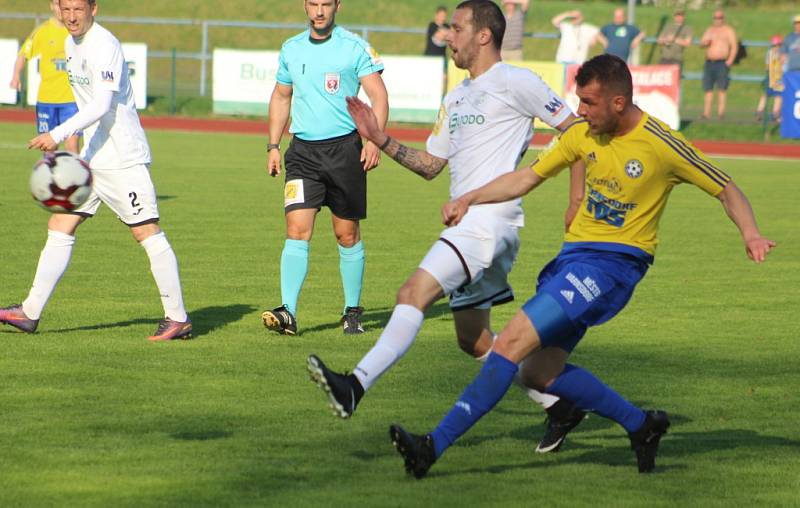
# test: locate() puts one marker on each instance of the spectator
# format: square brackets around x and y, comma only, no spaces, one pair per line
[674,38]
[773,81]
[790,49]
[720,43]
[435,44]
[576,37]
[619,37]
[515,11]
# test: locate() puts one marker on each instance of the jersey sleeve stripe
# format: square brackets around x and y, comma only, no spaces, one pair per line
[576,122]
[669,142]
[690,152]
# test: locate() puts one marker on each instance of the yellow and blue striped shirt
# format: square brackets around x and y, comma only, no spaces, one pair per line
[628,181]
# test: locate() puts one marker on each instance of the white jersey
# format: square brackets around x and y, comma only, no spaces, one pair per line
[94,63]
[486,124]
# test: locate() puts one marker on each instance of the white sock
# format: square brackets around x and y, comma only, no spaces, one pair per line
[393,343]
[164,266]
[543,399]
[53,262]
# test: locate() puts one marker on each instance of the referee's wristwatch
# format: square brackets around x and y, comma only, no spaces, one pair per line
[273,146]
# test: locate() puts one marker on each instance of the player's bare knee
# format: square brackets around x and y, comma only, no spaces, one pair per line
[407,294]
[145,231]
[348,239]
[64,223]
[512,346]
[299,231]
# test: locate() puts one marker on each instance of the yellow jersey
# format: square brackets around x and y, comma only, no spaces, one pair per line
[628,180]
[47,42]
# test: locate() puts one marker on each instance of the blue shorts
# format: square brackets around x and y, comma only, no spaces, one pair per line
[578,289]
[50,116]
[771,92]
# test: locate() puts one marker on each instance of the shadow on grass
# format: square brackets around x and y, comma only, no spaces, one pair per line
[373,319]
[204,320]
[675,446]
[532,433]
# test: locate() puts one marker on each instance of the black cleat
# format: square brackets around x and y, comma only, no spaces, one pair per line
[280,320]
[351,320]
[417,451]
[344,391]
[645,440]
[562,417]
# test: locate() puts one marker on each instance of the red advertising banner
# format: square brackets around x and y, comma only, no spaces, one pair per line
[656,89]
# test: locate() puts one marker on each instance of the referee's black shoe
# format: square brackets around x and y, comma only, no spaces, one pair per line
[344,391]
[562,417]
[351,321]
[280,320]
[645,440]
[417,451]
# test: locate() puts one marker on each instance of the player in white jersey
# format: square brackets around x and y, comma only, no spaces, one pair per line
[483,130]
[117,151]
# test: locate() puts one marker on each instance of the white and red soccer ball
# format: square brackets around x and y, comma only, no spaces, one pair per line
[61,182]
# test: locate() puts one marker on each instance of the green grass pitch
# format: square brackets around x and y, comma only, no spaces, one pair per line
[91,414]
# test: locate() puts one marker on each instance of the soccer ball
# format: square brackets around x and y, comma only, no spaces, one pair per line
[61,182]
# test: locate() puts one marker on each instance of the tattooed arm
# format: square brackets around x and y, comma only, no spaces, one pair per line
[419,161]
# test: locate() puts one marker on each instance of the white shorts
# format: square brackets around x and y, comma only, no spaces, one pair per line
[471,261]
[128,192]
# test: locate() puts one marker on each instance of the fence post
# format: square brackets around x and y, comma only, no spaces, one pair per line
[204,59]
[172,101]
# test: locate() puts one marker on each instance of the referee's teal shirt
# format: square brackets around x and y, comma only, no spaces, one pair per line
[322,74]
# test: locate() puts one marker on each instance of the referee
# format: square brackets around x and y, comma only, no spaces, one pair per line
[326,163]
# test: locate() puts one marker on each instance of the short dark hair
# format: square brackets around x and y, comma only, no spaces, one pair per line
[441,8]
[610,71]
[486,14]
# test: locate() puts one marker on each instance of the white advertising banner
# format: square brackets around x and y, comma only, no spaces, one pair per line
[415,85]
[136,58]
[8,56]
[244,80]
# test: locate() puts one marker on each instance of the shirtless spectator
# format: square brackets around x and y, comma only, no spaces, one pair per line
[720,43]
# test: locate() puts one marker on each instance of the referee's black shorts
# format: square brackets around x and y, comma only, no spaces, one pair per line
[326,173]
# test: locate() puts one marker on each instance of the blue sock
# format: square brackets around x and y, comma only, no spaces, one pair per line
[351,266]
[294,267]
[479,398]
[589,393]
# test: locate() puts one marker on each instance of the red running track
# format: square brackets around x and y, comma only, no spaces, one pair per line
[236,126]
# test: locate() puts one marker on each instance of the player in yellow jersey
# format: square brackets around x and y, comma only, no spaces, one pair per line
[632,163]
[55,103]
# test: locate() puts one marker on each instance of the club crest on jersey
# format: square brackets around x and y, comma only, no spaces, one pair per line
[634,168]
[332,81]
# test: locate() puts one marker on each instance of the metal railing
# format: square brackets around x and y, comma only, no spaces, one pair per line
[204,55]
